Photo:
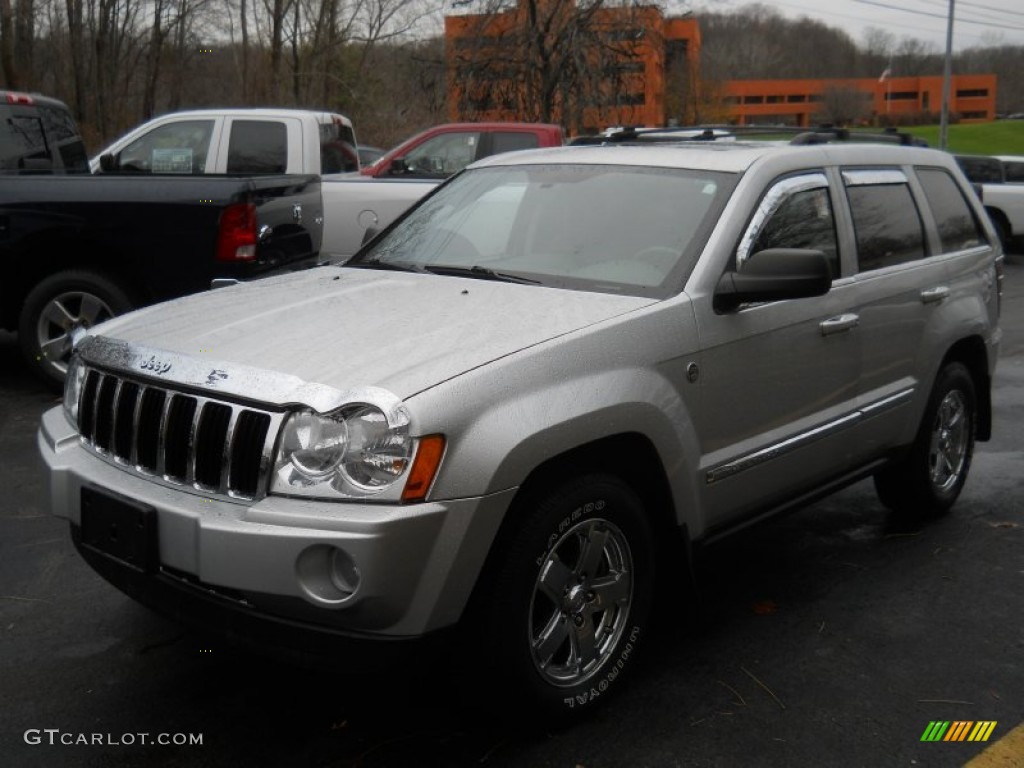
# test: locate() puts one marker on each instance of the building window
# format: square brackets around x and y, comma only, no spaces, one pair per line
[774,100]
[796,98]
[753,99]
[901,96]
[972,93]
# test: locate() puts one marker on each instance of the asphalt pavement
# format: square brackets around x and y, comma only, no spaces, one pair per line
[824,638]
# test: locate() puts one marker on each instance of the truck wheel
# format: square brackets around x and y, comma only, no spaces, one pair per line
[929,479]
[55,308]
[569,600]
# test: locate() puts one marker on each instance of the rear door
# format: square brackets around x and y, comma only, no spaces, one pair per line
[252,146]
[917,239]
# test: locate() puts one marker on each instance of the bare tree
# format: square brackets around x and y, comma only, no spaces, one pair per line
[551,60]
[843,105]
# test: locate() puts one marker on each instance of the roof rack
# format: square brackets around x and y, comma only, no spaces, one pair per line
[822,134]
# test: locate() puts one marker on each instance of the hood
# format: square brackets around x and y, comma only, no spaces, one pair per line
[350,328]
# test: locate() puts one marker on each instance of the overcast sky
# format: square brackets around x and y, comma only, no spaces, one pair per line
[977,22]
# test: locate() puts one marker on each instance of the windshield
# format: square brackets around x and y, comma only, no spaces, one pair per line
[608,228]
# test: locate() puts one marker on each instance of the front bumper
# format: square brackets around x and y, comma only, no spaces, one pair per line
[275,561]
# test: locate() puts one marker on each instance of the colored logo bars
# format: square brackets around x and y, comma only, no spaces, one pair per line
[958,730]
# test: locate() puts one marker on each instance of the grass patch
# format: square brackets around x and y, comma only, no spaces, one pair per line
[1002,137]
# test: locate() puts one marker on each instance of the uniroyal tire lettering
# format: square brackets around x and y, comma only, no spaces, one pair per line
[570,519]
[609,678]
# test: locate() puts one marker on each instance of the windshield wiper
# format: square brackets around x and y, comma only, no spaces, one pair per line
[480,273]
[394,266]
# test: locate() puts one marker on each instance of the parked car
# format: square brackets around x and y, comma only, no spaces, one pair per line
[516,414]
[442,150]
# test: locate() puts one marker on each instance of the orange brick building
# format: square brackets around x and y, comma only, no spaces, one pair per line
[644,70]
[796,102]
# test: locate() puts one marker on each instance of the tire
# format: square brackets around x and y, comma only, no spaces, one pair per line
[929,479]
[567,602]
[57,306]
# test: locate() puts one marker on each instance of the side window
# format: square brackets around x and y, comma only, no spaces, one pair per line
[885,219]
[503,141]
[180,147]
[795,213]
[443,155]
[958,228]
[981,169]
[258,146]
[1014,170]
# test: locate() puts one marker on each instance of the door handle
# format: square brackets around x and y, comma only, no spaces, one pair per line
[838,324]
[934,295]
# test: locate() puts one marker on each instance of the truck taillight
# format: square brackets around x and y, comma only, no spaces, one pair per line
[236,240]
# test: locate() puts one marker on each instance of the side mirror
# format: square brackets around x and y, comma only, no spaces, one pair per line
[774,274]
[107,163]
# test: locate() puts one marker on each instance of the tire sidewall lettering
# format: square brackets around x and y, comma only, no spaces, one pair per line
[578,514]
[611,673]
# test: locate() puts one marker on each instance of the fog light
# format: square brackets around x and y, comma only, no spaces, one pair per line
[328,575]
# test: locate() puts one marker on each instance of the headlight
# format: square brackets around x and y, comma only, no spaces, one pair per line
[356,451]
[73,381]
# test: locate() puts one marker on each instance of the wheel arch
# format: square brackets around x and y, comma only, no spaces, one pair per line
[628,456]
[46,255]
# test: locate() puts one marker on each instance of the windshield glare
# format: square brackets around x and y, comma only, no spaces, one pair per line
[634,230]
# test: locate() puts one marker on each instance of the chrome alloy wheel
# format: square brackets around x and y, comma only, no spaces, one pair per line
[581,602]
[61,316]
[951,437]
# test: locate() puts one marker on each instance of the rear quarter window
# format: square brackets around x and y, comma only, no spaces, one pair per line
[957,226]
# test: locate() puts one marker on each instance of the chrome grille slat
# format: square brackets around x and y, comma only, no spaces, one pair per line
[227,454]
[178,438]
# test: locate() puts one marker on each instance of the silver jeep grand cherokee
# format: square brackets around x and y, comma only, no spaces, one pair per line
[516,407]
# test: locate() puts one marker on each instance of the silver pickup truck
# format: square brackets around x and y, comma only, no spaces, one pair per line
[510,419]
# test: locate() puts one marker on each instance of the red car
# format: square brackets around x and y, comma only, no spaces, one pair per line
[438,152]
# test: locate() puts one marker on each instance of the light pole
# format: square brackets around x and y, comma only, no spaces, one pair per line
[947,77]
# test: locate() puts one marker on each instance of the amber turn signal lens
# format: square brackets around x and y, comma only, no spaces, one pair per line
[424,467]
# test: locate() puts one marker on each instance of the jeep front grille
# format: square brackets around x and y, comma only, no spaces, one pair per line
[178,438]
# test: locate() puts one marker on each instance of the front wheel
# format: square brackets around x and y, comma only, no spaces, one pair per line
[58,306]
[569,599]
[929,479]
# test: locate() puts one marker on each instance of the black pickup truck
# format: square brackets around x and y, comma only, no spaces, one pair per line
[76,249]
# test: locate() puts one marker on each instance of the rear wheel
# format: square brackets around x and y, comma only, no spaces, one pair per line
[568,600]
[929,479]
[57,307]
